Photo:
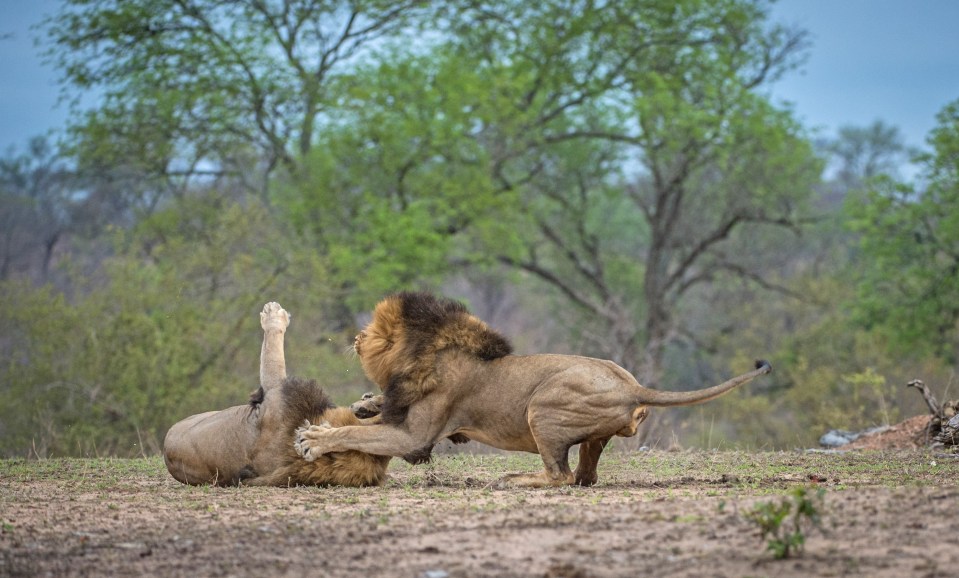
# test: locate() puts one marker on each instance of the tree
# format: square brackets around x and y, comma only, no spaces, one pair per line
[397,180]
[622,158]
[834,370]
[199,88]
[910,240]
[38,194]
[648,116]
[474,118]
[866,152]
[167,327]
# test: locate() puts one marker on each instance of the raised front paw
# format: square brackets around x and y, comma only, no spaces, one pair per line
[370,406]
[274,317]
[308,440]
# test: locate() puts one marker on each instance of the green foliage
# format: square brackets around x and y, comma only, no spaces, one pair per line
[619,165]
[910,239]
[639,158]
[394,182]
[202,79]
[784,525]
[829,372]
[168,328]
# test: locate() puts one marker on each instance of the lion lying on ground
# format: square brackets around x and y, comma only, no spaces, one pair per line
[444,373]
[250,444]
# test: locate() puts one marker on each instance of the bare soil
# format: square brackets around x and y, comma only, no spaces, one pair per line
[905,435]
[652,514]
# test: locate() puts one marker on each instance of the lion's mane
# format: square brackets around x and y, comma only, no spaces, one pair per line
[304,400]
[407,333]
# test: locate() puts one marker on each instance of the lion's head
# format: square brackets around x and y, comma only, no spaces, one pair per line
[408,330]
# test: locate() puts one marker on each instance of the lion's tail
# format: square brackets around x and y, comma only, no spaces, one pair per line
[655,397]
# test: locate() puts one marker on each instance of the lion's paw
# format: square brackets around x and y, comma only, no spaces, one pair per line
[370,405]
[274,317]
[305,442]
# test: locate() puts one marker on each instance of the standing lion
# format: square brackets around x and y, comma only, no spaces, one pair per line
[250,444]
[444,373]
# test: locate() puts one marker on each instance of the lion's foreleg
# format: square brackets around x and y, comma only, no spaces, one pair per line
[274,320]
[379,440]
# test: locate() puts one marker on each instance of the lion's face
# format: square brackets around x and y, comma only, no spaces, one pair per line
[358,343]
[376,344]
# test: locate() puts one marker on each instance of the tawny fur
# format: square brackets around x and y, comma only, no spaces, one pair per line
[401,343]
[305,401]
[250,444]
[445,374]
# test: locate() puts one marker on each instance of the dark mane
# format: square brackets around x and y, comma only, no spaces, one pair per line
[303,399]
[426,315]
[429,325]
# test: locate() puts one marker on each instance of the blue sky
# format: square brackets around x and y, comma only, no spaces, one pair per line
[894,60]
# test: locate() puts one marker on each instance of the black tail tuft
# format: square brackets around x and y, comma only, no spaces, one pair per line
[763,364]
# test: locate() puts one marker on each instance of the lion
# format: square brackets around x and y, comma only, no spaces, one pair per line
[249,444]
[444,372]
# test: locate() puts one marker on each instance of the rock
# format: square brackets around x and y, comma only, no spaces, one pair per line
[836,437]
[840,437]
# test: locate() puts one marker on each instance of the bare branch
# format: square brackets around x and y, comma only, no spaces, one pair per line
[719,234]
[590,275]
[709,273]
[555,281]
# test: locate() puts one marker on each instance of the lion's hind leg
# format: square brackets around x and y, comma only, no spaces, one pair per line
[556,472]
[589,452]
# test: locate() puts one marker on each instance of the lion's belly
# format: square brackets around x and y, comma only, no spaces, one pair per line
[502,440]
[210,447]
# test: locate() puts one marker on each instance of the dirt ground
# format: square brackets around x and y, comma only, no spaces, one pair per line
[907,434]
[652,514]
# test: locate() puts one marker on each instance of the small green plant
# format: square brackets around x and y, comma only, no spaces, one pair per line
[784,525]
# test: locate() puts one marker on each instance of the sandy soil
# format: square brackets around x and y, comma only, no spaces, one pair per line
[653,514]
[907,434]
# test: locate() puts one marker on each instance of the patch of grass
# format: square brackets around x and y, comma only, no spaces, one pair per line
[784,525]
[669,475]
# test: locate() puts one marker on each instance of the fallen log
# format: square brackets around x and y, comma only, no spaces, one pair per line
[943,428]
[949,432]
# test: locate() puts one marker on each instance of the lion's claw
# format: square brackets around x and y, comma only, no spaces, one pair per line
[306,444]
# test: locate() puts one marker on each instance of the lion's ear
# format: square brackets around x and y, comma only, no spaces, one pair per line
[494,346]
